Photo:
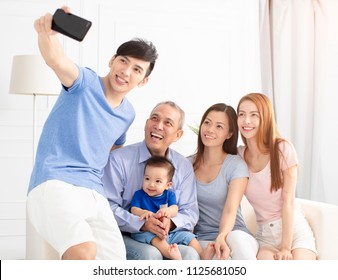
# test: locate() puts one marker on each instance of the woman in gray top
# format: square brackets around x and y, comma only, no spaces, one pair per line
[221,177]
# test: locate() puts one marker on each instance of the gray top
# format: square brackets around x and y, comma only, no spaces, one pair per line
[211,198]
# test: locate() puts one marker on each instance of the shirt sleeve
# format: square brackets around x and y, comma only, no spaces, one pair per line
[136,201]
[121,140]
[171,198]
[289,155]
[237,168]
[186,196]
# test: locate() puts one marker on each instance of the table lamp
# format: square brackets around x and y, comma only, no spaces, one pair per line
[31,76]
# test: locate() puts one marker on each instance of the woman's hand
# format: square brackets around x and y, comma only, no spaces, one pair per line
[221,247]
[284,254]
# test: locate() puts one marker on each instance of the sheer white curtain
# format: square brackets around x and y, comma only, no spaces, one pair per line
[299,43]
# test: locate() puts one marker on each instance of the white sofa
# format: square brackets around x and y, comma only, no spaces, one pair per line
[322,217]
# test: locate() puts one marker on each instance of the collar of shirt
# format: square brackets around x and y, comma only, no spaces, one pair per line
[145,154]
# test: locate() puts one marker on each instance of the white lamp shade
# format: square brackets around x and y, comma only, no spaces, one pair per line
[31,75]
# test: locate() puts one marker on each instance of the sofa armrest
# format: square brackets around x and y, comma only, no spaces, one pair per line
[322,218]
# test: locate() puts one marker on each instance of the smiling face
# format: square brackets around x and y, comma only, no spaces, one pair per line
[162,129]
[248,119]
[126,73]
[215,129]
[156,180]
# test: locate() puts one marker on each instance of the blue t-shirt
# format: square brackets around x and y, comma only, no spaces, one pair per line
[211,198]
[79,133]
[153,203]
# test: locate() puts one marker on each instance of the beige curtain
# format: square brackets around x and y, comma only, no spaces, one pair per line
[299,49]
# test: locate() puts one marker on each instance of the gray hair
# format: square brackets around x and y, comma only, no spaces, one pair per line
[176,107]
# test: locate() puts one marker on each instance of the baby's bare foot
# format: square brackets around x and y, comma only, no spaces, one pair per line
[209,252]
[174,253]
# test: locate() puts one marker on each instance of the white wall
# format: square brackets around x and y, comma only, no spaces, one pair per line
[207,54]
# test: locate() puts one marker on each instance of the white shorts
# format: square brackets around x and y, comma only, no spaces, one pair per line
[66,215]
[270,234]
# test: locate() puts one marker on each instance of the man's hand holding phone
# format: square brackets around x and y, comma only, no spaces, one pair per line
[70,25]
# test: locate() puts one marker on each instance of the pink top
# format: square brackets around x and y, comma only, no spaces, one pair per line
[267,205]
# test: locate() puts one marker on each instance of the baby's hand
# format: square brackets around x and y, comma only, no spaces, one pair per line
[164,212]
[146,215]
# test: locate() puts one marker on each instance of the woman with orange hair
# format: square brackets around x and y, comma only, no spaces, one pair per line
[283,232]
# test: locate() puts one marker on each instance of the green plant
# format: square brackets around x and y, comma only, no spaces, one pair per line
[194,128]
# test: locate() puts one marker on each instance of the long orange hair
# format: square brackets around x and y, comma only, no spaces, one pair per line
[268,136]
